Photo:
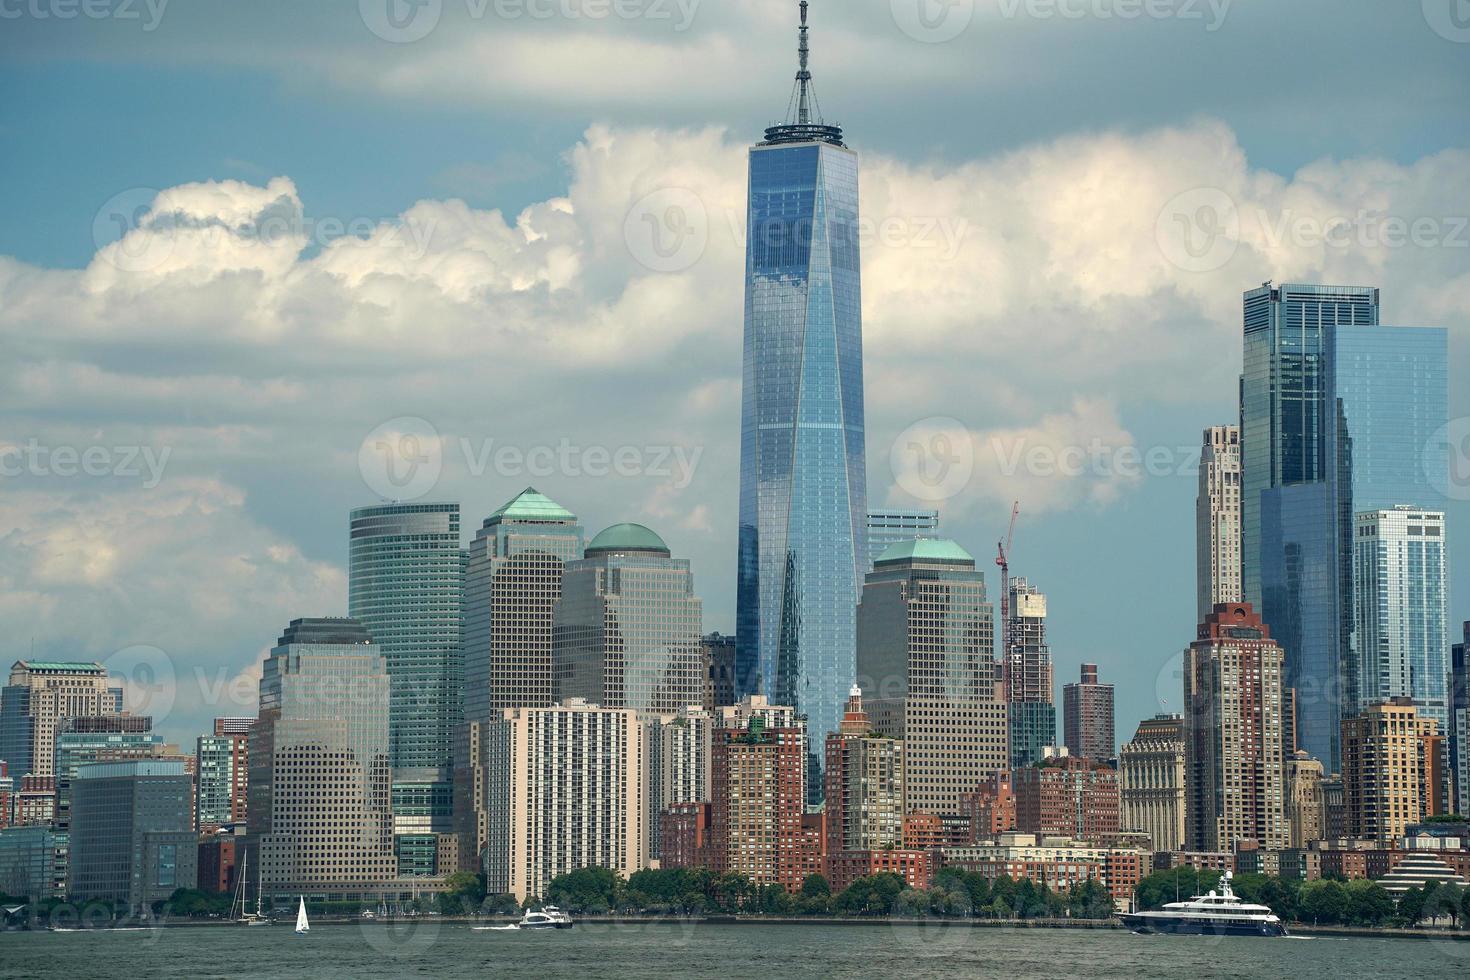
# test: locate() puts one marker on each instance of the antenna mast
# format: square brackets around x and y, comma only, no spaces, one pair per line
[803,76]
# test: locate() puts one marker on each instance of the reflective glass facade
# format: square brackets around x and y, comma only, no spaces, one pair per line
[803,496]
[890,527]
[1336,414]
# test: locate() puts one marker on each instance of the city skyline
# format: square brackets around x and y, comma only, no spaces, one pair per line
[302,541]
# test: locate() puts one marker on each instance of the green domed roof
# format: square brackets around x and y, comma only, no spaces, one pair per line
[627,537]
[925,549]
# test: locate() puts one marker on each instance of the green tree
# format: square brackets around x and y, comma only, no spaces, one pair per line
[1089,900]
[463,893]
[1324,902]
[1368,903]
[816,886]
[591,890]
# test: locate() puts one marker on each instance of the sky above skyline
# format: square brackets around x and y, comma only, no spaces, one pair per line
[248,248]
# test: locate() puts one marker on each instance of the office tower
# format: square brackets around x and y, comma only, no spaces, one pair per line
[678,765]
[1028,676]
[1383,749]
[405,583]
[865,785]
[1402,609]
[566,787]
[927,670]
[1151,783]
[1087,712]
[1068,797]
[890,527]
[1217,520]
[40,695]
[1460,711]
[757,706]
[1337,415]
[757,802]
[223,765]
[803,497]
[512,582]
[31,863]
[132,838]
[319,817]
[1306,808]
[719,657]
[991,809]
[99,738]
[1232,694]
[626,631]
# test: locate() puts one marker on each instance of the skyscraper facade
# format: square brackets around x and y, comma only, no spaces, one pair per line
[678,765]
[133,838]
[1087,715]
[1151,782]
[1217,520]
[1383,763]
[927,670]
[1232,695]
[1402,609]
[1460,722]
[1028,676]
[319,817]
[865,785]
[803,490]
[566,787]
[1306,810]
[512,581]
[757,802]
[39,696]
[405,581]
[890,527]
[223,771]
[626,631]
[1336,415]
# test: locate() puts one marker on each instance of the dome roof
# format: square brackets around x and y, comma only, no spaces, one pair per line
[627,537]
[925,549]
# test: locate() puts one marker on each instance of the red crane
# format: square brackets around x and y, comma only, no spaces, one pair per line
[1002,558]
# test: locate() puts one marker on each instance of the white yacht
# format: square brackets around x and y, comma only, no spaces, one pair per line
[546,917]
[1214,914]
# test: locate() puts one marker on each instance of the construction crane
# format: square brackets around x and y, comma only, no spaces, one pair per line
[1003,559]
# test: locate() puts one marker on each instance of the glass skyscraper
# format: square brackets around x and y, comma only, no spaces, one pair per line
[1336,411]
[890,527]
[803,490]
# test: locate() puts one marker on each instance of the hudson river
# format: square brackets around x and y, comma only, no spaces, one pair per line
[593,951]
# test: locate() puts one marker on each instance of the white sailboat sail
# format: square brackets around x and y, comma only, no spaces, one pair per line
[301,924]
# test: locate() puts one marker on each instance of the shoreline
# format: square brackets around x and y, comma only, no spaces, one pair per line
[1098,925]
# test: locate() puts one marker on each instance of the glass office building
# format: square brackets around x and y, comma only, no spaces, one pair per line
[890,527]
[803,498]
[1336,413]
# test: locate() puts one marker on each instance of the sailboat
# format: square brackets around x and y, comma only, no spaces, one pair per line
[237,907]
[302,926]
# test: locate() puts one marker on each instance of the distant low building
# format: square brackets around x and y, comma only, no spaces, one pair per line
[32,863]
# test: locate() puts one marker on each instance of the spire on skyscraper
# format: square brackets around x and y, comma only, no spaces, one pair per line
[803,107]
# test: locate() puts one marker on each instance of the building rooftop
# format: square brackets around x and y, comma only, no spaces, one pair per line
[338,630]
[925,549]
[532,505]
[627,537]
[59,666]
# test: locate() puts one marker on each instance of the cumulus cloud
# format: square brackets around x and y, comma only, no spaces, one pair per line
[1035,302]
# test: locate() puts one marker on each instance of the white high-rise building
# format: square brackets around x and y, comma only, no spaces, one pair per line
[1217,520]
[678,763]
[566,787]
[1401,616]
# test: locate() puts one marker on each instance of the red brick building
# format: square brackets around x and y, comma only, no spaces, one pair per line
[991,808]
[915,867]
[1067,797]
[217,856]
[926,831]
[757,805]
[684,835]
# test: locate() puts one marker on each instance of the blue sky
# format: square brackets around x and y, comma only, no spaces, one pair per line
[1020,279]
